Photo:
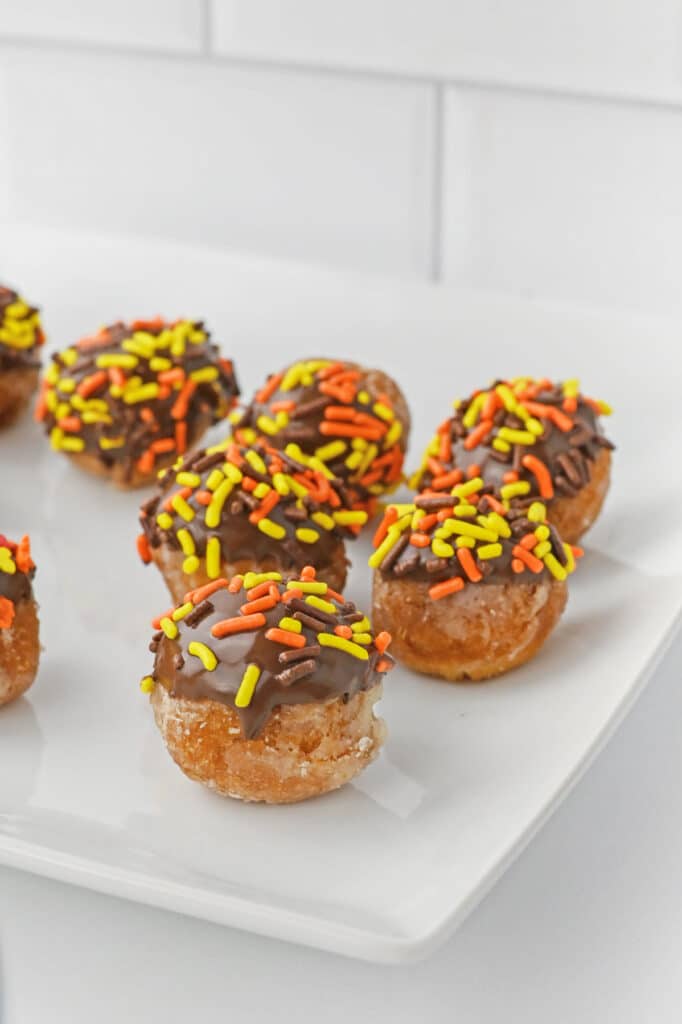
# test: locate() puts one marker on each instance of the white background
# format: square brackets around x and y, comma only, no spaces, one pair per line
[532,147]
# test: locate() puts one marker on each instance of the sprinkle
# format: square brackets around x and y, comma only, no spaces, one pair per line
[238,624]
[169,627]
[330,640]
[247,686]
[514,490]
[271,529]
[451,586]
[147,684]
[487,551]
[307,536]
[308,586]
[320,605]
[468,563]
[286,637]
[541,474]
[204,654]
[213,558]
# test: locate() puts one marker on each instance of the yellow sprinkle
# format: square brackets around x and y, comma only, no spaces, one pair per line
[368,458]
[138,348]
[125,362]
[383,412]
[255,461]
[261,489]
[489,551]
[441,548]
[159,363]
[604,408]
[164,520]
[307,535]
[67,385]
[330,451]
[186,541]
[317,602]
[204,654]
[292,625]
[213,558]
[535,426]
[253,579]
[354,460]
[147,684]
[96,417]
[570,558]
[247,686]
[183,610]
[470,487]
[348,518]
[280,484]
[320,467]
[205,375]
[106,443]
[470,417]
[190,565]
[363,397]
[541,549]
[184,510]
[555,567]
[542,532]
[188,479]
[214,480]
[362,638]
[52,374]
[469,530]
[215,508]
[464,511]
[501,446]
[145,393]
[465,542]
[516,436]
[169,627]
[266,425]
[271,529]
[537,512]
[571,388]
[514,490]
[507,396]
[340,642]
[299,490]
[308,586]
[394,434]
[73,444]
[323,520]
[361,626]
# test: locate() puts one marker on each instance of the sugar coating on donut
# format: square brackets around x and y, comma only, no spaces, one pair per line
[528,438]
[131,398]
[282,672]
[353,421]
[247,507]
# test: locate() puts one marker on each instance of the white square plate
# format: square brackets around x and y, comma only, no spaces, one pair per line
[386,868]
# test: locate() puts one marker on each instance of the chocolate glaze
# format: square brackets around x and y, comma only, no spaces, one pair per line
[307,416]
[567,454]
[239,537]
[18,358]
[324,674]
[17,587]
[210,402]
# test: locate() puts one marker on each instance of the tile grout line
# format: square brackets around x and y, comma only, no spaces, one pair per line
[206,28]
[342,71]
[437,179]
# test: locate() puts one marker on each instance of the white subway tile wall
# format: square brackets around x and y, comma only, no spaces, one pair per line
[175,25]
[630,47]
[326,169]
[534,147]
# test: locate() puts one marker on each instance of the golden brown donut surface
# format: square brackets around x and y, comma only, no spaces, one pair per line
[263,687]
[353,420]
[234,508]
[131,398]
[19,643]
[529,439]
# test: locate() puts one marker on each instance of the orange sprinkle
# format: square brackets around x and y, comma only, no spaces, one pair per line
[174,376]
[70,423]
[468,563]
[249,484]
[147,415]
[578,552]
[330,371]
[89,385]
[156,324]
[269,387]
[420,540]
[570,404]
[258,591]
[308,573]
[473,470]
[284,406]
[442,483]
[262,604]
[345,631]
[117,376]
[266,506]
[496,505]
[427,522]
[340,412]
[6,613]
[335,596]
[478,434]
[203,497]
[434,467]
[239,624]
[490,406]
[181,404]
[181,436]
[201,593]
[22,555]
[382,640]
[510,477]
[517,565]
[528,541]
[235,584]
[289,595]
[145,463]
[156,623]
[143,548]
[451,586]
[283,636]
[333,429]
[444,513]
[383,665]
[163,445]
[539,470]
[533,563]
